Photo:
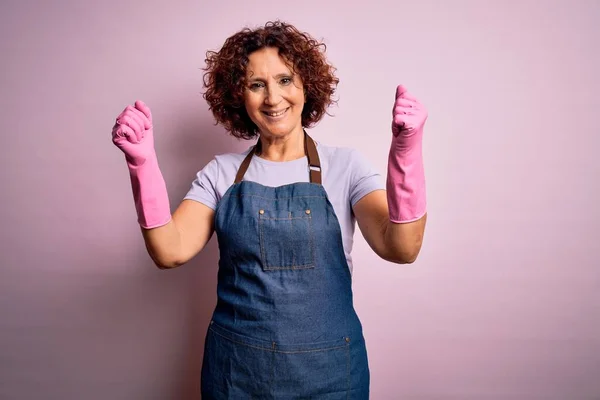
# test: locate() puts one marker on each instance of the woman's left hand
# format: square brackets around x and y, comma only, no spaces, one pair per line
[406,177]
[408,118]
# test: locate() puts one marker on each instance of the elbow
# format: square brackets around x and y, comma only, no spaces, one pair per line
[404,259]
[165,260]
[405,256]
[166,263]
[402,243]
[409,258]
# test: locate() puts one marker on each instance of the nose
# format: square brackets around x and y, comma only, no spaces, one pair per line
[273,95]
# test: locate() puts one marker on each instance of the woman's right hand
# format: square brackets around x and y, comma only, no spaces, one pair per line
[173,240]
[133,133]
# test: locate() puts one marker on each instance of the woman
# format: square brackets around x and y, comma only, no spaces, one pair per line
[284,212]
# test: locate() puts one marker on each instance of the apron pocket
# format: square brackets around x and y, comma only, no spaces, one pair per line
[286,239]
[317,370]
[236,366]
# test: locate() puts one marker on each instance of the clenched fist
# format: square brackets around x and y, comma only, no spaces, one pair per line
[133,133]
[408,115]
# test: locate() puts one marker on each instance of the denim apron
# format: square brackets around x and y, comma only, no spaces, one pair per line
[284,326]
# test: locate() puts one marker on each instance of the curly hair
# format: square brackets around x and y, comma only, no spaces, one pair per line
[225,76]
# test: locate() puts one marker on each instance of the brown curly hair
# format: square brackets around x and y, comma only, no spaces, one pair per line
[225,76]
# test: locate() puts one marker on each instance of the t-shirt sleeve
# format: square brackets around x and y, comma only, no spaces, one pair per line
[364,178]
[204,187]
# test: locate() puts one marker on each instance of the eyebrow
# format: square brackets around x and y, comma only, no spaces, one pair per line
[282,75]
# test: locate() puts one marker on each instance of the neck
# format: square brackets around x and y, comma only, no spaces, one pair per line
[287,148]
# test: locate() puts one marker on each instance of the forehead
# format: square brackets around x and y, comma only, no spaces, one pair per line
[266,62]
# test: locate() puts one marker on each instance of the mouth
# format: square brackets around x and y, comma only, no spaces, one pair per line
[275,114]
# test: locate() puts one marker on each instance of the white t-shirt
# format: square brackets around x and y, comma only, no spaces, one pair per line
[346,177]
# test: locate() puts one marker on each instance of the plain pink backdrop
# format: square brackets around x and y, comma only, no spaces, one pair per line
[504,300]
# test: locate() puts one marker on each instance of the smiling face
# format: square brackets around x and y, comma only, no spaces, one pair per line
[274,96]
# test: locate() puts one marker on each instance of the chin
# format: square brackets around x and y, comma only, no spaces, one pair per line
[278,131]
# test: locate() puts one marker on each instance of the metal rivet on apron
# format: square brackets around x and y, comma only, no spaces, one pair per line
[308,211]
[261,212]
[347,340]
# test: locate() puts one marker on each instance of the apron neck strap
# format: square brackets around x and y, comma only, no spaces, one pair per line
[310,149]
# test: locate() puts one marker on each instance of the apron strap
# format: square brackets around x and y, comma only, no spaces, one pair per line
[310,149]
[314,163]
[244,167]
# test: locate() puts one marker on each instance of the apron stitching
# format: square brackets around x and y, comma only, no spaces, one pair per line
[348,363]
[274,198]
[273,348]
[291,267]
[261,240]
[312,241]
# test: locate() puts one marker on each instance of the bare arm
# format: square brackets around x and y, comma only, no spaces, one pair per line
[177,242]
[398,243]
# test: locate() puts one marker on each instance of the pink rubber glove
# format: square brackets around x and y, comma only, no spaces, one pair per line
[133,134]
[406,175]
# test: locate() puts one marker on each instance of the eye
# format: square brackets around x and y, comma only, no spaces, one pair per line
[285,81]
[256,86]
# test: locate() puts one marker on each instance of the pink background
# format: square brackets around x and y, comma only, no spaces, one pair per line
[504,301]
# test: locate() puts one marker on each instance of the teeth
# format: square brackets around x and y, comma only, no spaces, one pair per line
[277,114]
